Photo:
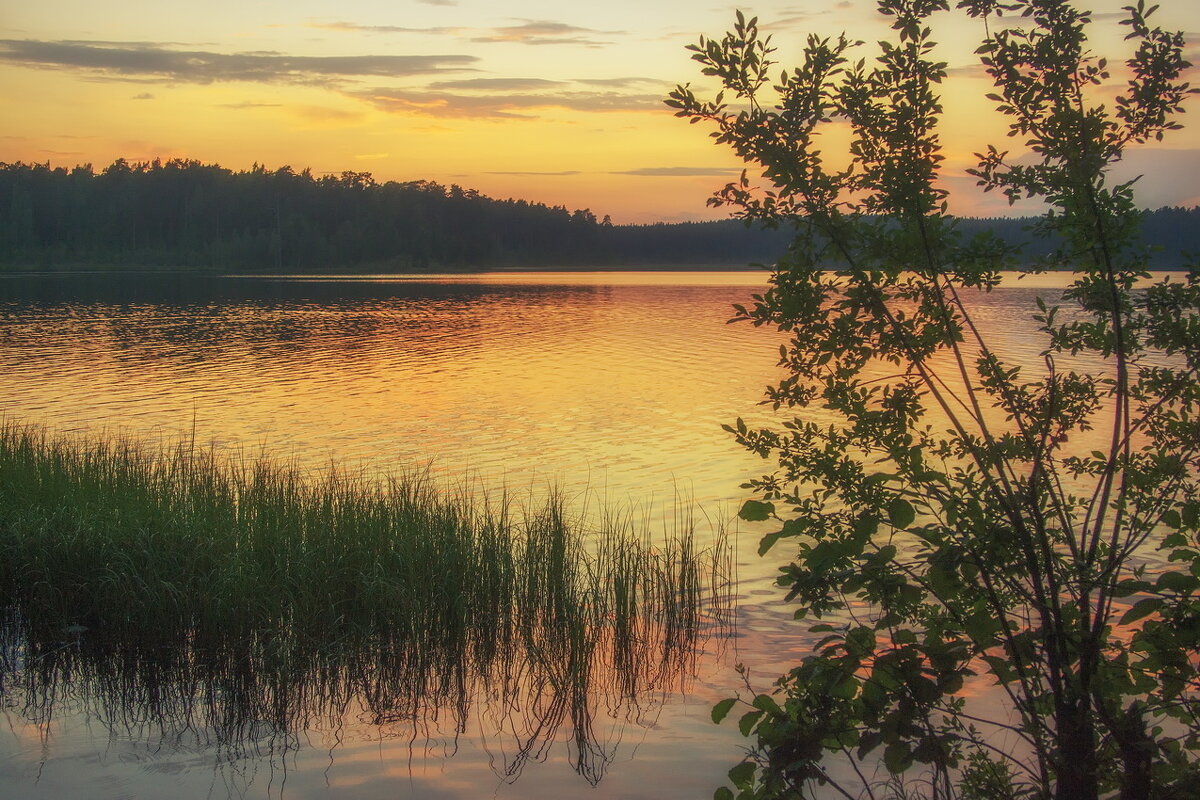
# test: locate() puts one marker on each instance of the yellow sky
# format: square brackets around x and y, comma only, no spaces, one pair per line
[558,103]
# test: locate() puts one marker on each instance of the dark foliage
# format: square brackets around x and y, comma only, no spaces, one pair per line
[183,213]
[1000,553]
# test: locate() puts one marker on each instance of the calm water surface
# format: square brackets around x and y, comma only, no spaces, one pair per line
[612,386]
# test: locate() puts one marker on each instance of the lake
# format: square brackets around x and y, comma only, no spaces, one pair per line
[609,387]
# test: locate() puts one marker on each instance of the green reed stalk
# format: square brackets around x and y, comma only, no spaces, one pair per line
[177,586]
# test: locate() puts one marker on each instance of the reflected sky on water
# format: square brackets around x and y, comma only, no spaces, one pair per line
[612,386]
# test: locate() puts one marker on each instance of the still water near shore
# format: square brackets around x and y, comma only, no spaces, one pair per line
[610,386]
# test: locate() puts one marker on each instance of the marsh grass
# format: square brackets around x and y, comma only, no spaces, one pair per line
[178,591]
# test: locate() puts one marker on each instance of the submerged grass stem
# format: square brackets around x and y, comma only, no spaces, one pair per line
[180,588]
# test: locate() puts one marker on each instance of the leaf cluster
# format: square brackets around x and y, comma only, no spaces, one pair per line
[957,516]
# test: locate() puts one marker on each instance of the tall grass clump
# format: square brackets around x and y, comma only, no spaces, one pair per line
[176,586]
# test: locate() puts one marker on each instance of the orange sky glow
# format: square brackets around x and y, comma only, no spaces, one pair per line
[549,102]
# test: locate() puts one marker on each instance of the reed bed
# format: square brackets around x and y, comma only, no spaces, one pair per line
[179,589]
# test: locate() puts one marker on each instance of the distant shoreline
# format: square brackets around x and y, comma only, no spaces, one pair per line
[94,269]
[353,273]
[209,219]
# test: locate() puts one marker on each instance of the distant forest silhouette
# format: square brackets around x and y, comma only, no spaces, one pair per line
[183,213]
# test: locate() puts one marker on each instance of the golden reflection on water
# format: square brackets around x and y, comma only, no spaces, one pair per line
[615,383]
[583,383]
[620,384]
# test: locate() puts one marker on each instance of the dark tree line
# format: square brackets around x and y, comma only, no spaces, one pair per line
[187,214]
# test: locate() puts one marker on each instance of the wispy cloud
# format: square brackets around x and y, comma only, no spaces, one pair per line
[975,70]
[529,173]
[679,172]
[353,27]
[620,83]
[143,96]
[540,31]
[793,18]
[248,104]
[326,114]
[54,136]
[1169,176]
[142,61]
[498,84]
[525,31]
[503,106]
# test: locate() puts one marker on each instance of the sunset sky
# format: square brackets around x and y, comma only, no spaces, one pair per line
[552,102]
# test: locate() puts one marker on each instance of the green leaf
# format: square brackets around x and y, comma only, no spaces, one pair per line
[1142,608]
[927,751]
[1130,586]
[748,721]
[756,511]
[764,702]
[897,757]
[885,554]
[1178,582]
[723,794]
[981,627]
[900,512]
[943,581]
[845,689]
[861,640]
[868,742]
[951,684]
[1191,514]
[1001,667]
[742,774]
[866,525]
[721,709]
[768,541]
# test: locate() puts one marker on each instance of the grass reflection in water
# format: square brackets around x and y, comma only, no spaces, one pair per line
[180,594]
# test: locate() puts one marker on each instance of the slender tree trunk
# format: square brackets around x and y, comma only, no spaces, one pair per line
[1137,754]
[1077,763]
